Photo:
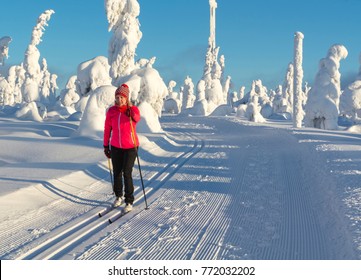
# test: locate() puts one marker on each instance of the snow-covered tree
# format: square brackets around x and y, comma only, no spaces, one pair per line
[172,104]
[233,98]
[16,78]
[280,104]
[214,89]
[287,89]
[143,62]
[92,74]
[53,85]
[123,21]
[213,69]
[350,100]
[4,49]
[227,84]
[212,50]
[47,85]
[188,94]
[263,100]
[32,54]
[350,104]
[200,107]
[6,95]
[69,96]
[298,112]
[146,85]
[253,111]
[261,91]
[222,63]
[201,90]
[241,92]
[36,83]
[171,93]
[322,107]
[306,90]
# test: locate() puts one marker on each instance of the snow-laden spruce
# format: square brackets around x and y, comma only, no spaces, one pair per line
[145,83]
[255,103]
[4,49]
[322,107]
[93,74]
[172,104]
[298,113]
[287,89]
[34,73]
[350,101]
[123,22]
[200,107]
[188,96]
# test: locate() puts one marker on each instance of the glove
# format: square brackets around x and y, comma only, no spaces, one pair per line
[107,151]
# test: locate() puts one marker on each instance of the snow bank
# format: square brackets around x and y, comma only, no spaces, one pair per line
[32,111]
[354,129]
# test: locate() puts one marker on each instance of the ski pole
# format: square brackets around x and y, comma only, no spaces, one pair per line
[136,152]
[111,175]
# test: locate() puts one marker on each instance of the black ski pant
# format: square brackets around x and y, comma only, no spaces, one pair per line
[123,163]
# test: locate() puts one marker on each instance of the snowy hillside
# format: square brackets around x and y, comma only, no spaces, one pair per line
[217,188]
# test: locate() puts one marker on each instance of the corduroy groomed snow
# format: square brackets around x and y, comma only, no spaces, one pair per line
[123,90]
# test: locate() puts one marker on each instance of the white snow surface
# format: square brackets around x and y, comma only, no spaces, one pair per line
[217,188]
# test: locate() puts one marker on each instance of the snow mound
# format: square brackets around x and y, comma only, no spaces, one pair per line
[222,110]
[30,111]
[150,123]
[354,129]
[92,123]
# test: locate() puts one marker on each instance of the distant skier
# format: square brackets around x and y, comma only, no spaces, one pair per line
[120,134]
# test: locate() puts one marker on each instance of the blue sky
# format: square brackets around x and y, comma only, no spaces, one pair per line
[256,37]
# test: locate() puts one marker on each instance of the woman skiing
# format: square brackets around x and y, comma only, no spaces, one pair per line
[121,143]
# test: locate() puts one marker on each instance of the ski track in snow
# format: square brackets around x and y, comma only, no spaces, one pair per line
[224,195]
[265,209]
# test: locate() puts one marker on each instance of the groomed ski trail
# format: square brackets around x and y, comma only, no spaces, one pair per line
[219,188]
[255,202]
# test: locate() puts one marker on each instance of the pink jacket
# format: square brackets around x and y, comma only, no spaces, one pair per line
[118,130]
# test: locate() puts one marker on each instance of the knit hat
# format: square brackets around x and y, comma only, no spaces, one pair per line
[123,90]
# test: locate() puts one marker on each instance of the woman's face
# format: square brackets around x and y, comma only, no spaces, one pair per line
[120,100]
